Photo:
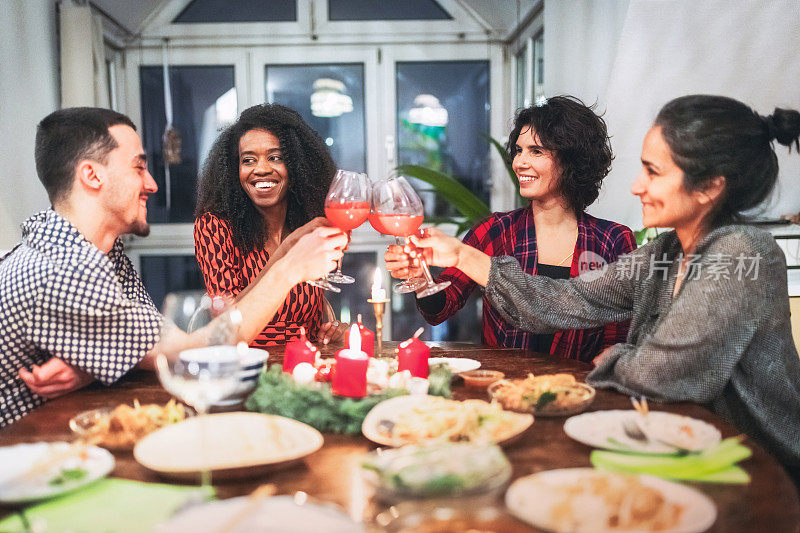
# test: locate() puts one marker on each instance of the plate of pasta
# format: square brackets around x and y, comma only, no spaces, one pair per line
[543,395]
[421,418]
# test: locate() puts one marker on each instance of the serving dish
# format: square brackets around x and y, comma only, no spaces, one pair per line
[236,445]
[435,418]
[565,401]
[436,470]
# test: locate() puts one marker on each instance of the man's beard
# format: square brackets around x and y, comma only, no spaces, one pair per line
[139,228]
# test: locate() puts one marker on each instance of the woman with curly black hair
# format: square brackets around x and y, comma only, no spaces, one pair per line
[263,186]
[560,153]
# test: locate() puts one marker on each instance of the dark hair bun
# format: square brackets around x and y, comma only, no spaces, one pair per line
[784,127]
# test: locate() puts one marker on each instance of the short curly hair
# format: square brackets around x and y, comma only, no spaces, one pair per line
[308,161]
[578,138]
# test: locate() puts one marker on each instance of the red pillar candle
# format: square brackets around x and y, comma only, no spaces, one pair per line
[350,373]
[412,355]
[367,338]
[299,351]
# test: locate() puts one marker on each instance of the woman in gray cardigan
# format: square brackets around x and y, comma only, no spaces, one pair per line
[708,302]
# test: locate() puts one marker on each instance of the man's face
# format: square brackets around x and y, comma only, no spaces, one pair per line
[129,182]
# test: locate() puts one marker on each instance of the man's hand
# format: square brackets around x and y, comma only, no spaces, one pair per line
[54,378]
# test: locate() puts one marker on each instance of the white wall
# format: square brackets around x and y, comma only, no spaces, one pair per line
[28,92]
[632,57]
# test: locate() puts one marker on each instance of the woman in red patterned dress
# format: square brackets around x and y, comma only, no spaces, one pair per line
[263,187]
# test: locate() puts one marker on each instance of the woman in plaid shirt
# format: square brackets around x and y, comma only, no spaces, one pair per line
[560,153]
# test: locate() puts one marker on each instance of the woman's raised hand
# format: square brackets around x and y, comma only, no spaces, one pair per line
[295,236]
[439,248]
[315,253]
[401,261]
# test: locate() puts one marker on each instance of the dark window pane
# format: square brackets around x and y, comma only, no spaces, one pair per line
[442,121]
[203,102]
[330,98]
[352,301]
[162,274]
[386,10]
[238,11]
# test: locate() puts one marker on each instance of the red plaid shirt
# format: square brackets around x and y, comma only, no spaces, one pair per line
[513,234]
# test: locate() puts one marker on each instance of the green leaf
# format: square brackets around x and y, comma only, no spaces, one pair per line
[501,150]
[544,399]
[469,205]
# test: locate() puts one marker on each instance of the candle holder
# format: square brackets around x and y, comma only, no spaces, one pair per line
[378,306]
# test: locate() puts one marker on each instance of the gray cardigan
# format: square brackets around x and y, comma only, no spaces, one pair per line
[724,340]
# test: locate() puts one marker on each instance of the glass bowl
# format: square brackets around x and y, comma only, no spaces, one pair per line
[436,470]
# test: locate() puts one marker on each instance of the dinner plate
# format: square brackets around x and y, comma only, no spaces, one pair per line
[455,364]
[386,413]
[604,429]
[236,445]
[54,461]
[279,514]
[561,500]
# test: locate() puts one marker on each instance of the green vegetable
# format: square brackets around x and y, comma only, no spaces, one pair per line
[278,394]
[69,475]
[544,399]
[714,464]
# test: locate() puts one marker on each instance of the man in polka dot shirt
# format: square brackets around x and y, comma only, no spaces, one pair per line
[73,309]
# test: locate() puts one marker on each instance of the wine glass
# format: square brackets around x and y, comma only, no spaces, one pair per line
[347,207]
[397,210]
[206,372]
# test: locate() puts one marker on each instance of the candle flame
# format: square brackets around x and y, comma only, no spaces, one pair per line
[355,339]
[376,279]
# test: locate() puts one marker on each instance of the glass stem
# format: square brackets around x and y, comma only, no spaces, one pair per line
[425,270]
[205,473]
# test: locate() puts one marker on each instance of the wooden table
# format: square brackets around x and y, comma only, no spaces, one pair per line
[769,502]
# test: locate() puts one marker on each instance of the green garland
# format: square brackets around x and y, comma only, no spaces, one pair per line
[278,394]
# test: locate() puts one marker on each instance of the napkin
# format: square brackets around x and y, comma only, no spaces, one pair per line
[713,465]
[117,505]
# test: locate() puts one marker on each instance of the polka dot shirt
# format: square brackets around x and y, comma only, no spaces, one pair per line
[62,297]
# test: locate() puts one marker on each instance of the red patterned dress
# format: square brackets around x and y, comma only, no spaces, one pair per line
[226,270]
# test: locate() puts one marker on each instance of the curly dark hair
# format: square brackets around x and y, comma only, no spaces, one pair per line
[578,138]
[308,162]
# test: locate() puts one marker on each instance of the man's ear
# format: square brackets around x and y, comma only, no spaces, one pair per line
[90,175]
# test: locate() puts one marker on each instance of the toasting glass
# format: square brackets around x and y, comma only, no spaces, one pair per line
[347,207]
[397,210]
[209,370]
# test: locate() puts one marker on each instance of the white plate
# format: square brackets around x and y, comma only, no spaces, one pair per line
[533,499]
[236,445]
[16,460]
[456,364]
[604,429]
[279,514]
[390,410]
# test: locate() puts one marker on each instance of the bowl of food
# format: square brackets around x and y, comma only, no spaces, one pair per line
[544,395]
[436,470]
[447,516]
[122,427]
[480,379]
